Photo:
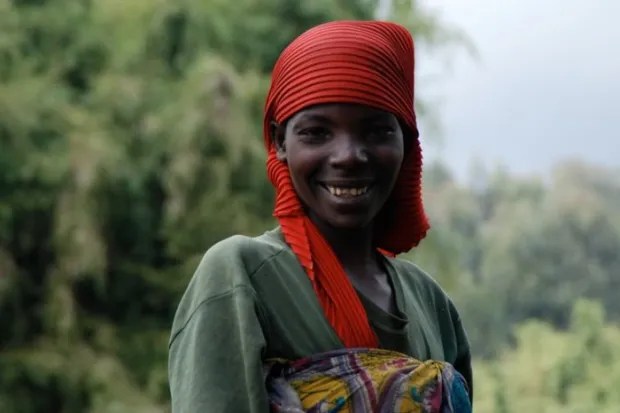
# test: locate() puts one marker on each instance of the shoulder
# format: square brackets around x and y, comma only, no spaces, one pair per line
[241,252]
[436,304]
[231,262]
[411,274]
[425,287]
[227,267]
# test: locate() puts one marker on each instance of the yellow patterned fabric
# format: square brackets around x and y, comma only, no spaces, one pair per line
[365,381]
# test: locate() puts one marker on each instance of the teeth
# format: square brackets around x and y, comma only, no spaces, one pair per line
[346,192]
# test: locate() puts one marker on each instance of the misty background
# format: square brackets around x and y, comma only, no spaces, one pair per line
[545,85]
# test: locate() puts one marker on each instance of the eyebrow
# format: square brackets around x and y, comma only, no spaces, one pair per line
[370,118]
[310,117]
[376,117]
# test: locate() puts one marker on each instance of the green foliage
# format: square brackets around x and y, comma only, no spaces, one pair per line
[551,371]
[130,136]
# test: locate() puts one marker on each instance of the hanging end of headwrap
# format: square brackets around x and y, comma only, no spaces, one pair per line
[295,233]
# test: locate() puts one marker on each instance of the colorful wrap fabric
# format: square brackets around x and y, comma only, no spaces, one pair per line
[365,381]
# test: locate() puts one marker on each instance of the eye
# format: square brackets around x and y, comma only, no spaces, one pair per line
[381,132]
[314,134]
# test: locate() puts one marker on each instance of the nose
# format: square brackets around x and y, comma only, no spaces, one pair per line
[348,152]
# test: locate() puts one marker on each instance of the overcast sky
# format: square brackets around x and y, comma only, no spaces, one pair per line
[546,87]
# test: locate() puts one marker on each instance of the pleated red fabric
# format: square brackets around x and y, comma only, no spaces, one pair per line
[363,62]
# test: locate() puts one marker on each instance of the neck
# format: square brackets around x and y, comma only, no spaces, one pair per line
[354,248]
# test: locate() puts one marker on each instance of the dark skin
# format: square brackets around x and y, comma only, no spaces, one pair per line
[344,160]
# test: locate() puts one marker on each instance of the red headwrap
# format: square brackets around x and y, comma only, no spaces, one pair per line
[363,62]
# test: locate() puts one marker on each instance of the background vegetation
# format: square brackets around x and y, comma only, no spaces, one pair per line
[130,142]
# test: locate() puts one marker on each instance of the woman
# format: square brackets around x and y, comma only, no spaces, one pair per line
[345,159]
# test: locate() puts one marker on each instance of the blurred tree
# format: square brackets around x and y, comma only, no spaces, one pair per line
[130,143]
[529,249]
[550,371]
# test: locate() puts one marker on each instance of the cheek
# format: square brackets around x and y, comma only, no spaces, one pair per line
[392,160]
[300,172]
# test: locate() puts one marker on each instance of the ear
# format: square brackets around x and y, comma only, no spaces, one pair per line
[278,134]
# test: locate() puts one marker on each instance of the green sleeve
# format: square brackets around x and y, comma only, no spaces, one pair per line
[215,351]
[463,355]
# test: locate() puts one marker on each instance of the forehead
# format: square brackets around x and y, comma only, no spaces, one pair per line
[341,113]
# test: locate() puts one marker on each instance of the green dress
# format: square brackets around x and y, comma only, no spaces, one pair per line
[250,300]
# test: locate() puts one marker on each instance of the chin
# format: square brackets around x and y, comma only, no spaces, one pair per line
[348,222]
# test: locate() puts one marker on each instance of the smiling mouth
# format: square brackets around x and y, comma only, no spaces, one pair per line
[346,192]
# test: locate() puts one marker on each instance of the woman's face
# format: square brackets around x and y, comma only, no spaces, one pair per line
[343,159]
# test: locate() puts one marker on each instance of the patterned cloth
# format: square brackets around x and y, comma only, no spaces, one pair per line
[365,381]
